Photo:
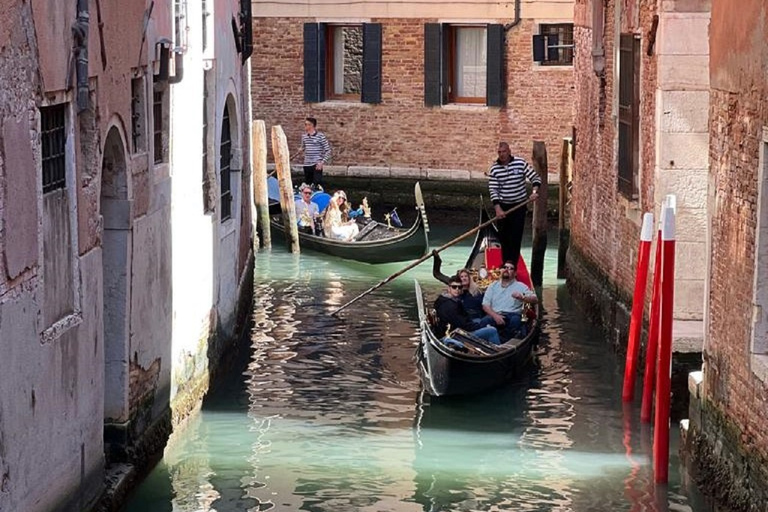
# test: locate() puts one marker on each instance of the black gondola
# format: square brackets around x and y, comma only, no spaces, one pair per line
[377,242]
[479,366]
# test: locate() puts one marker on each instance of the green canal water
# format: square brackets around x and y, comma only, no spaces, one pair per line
[325,414]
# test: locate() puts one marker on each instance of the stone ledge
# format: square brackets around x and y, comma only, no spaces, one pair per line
[687,336]
[400,172]
[694,383]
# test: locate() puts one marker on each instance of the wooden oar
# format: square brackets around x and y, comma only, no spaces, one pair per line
[425,258]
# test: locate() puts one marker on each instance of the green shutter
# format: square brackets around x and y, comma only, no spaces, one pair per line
[314,62]
[432,64]
[495,66]
[371,63]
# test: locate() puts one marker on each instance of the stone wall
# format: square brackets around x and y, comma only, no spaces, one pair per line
[401,132]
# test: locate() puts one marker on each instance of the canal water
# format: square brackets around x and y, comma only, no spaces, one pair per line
[325,414]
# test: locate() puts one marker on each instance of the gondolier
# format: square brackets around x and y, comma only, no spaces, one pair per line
[506,185]
[317,152]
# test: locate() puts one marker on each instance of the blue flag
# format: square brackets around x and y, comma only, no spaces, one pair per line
[395,219]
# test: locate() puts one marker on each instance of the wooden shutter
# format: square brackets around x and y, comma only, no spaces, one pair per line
[539,48]
[432,64]
[495,66]
[629,115]
[314,62]
[371,63]
[246,27]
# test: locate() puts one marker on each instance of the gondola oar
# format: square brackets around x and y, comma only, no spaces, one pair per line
[425,258]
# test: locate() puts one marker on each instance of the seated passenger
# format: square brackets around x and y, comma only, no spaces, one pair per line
[471,294]
[450,312]
[504,301]
[306,210]
[336,222]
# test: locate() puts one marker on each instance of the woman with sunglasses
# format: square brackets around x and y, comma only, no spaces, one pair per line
[451,313]
[336,222]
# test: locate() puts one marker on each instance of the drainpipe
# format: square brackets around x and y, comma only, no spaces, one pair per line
[517,20]
[80,35]
[178,59]
[598,28]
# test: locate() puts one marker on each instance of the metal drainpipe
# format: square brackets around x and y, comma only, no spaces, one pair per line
[80,34]
[517,19]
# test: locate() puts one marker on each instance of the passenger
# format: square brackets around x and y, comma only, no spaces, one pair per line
[450,312]
[471,295]
[306,210]
[336,222]
[504,300]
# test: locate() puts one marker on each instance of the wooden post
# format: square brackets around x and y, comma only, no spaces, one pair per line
[539,215]
[564,231]
[283,165]
[260,195]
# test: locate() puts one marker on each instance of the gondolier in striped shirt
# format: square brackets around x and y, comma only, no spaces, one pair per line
[507,188]
[317,152]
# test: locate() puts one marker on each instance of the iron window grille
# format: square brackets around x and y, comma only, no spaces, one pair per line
[225,163]
[54,141]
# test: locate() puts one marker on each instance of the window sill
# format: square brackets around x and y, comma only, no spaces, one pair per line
[344,103]
[466,107]
[558,67]
[55,331]
[760,367]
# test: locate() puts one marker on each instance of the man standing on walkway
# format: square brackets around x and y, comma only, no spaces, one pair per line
[317,152]
[506,185]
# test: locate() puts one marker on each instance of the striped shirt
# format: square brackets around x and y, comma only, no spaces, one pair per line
[506,183]
[316,148]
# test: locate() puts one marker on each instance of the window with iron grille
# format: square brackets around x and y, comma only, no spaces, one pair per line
[53,140]
[629,115]
[559,44]
[157,125]
[138,112]
[225,162]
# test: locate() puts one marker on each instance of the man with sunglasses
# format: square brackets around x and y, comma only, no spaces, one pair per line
[451,312]
[504,300]
[306,209]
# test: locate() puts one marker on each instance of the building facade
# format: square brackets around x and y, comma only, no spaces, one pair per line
[113,307]
[642,91]
[728,439]
[417,90]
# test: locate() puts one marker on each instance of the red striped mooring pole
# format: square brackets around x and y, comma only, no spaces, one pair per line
[664,373]
[638,303]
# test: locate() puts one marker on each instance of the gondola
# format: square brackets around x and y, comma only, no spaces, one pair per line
[478,366]
[376,243]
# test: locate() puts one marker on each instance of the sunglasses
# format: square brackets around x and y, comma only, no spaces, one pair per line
[456,286]
[307,193]
[509,267]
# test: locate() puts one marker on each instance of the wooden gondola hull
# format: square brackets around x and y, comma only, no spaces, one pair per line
[406,245]
[445,371]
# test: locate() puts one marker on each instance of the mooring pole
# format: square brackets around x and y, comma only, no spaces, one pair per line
[539,215]
[283,165]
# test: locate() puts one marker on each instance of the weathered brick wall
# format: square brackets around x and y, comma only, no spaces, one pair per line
[605,227]
[401,131]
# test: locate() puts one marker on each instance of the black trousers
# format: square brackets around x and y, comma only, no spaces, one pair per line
[313,175]
[511,230]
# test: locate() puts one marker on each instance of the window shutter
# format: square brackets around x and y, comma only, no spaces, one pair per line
[246,27]
[371,63]
[495,66]
[539,47]
[432,64]
[314,62]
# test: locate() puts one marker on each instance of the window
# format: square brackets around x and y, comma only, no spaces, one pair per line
[463,64]
[629,115]
[342,62]
[759,335]
[345,62]
[554,45]
[224,169]
[157,125]
[138,136]
[53,139]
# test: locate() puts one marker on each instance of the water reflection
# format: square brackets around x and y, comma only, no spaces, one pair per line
[324,414]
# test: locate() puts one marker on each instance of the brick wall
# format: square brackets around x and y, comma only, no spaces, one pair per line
[605,227]
[401,131]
